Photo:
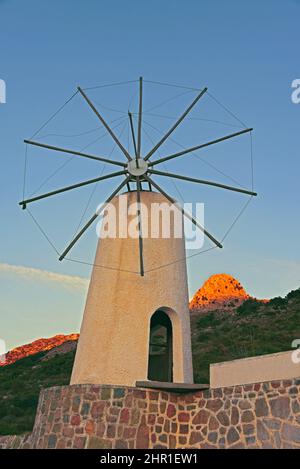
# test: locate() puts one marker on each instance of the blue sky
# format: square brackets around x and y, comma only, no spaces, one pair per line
[246,53]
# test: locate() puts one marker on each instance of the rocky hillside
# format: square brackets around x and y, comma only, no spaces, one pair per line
[40,345]
[220,292]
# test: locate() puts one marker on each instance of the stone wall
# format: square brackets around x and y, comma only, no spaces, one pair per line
[16,441]
[262,415]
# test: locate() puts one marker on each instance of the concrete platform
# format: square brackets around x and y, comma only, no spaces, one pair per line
[182,388]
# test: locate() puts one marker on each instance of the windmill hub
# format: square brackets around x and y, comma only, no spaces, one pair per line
[137,167]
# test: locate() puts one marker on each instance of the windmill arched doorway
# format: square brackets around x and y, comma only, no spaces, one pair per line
[160,363]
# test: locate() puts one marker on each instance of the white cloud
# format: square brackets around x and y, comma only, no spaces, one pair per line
[66,281]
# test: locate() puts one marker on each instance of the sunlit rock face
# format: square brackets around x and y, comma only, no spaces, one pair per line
[220,291]
[39,345]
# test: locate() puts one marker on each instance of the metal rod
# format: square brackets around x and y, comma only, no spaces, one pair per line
[76,153]
[109,130]
[138,196]
[201,181]
[140,119]
[189,150]
[91,220]
[68,188]
[132,133]
[176,124]
[186,214]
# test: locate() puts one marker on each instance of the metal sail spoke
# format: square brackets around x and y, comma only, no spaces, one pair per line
[139,214]
[176,124]
[109,130]
[92,219]
[186,214]
[132,133]
[68,188]
[140,119]
[76,153]
[198,147]
[202,181]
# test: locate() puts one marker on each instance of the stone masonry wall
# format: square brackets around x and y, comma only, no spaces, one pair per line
[262,415]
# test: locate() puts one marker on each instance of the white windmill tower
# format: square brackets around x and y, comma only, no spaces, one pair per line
[136,328]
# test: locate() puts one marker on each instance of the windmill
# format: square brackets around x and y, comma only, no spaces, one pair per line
[154,307]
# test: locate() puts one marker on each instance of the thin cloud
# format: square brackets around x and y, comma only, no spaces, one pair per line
[66,281]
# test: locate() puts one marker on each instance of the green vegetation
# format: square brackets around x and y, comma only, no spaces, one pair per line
[20,385]
[249,306]
[255,328]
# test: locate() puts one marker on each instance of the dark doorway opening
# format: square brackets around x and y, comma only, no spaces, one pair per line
[160,367]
